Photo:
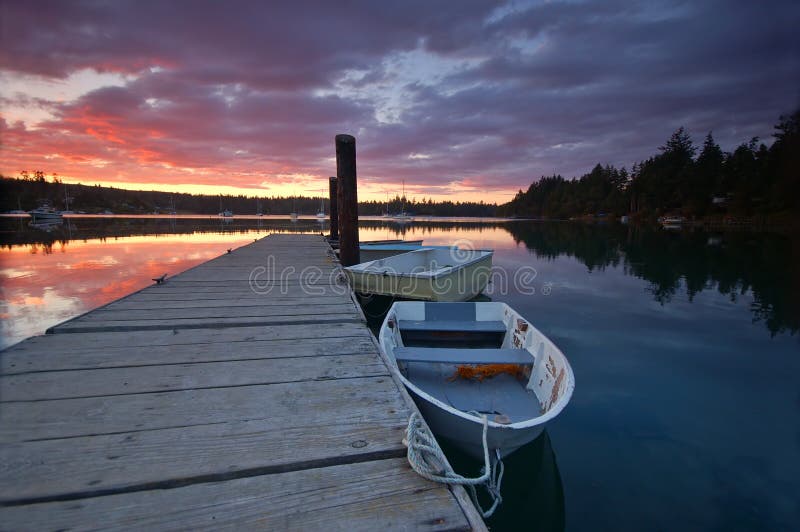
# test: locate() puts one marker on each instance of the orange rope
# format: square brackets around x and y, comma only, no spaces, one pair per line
[486,371]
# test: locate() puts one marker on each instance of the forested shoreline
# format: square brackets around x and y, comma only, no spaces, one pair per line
[752,182]
[32,189]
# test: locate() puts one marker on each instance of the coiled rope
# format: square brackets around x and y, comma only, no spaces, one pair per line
[428,460]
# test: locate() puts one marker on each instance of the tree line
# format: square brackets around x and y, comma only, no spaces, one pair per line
[32,189]
[752,181]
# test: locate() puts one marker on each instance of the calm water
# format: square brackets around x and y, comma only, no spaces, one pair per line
[685,347]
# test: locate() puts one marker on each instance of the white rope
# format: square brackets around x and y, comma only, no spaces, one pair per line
[428,460]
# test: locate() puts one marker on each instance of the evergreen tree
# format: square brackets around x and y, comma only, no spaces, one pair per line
[707,178]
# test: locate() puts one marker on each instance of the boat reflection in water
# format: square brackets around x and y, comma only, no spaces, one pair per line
[531,487]
[47,225]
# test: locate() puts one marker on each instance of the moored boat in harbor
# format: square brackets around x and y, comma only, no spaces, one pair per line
[45,213]
[430,274]
[463,361]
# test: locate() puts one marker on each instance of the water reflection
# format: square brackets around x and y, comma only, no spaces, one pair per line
[47,278]
[755,267]
[735,264]
[533,493]
[732,263]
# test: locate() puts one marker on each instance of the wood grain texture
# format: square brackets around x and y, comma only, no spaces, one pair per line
[141,303]
[312,401]
[101,465]
[21,360]
[79,325]
[149,379]
[69,344]
[378,495]
[216,311]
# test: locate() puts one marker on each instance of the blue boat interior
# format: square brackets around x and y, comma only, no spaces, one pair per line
[452,325]
[451,337]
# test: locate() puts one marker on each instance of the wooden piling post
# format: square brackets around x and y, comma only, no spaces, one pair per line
[334,214]
[348,199]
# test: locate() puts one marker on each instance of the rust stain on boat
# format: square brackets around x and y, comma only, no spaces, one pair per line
[551,365]
[556,388]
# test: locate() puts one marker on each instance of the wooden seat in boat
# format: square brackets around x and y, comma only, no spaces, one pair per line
[463,356]
[453,326]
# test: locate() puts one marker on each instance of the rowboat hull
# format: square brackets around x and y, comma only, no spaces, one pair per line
[467,434]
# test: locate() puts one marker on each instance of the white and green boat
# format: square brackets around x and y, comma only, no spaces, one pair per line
[428,274]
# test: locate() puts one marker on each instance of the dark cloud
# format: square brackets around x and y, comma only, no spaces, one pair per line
[490,95]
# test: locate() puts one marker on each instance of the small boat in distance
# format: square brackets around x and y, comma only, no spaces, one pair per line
[45,213]
[429,274]
[386,212]
[66,203]
[402,216]
[19,209]
[226,213]
[672,222]
[321,212]
[463,361]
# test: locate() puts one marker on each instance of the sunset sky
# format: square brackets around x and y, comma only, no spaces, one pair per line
[466,100]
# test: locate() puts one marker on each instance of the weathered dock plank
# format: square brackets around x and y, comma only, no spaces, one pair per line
[218,311]
[85,324]
[16,362]
[100,465]
[168,303]
[74,343]
[207,402]
[375,495]
[178,377]
[345,399]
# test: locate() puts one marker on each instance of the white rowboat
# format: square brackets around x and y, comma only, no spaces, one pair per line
[429,344]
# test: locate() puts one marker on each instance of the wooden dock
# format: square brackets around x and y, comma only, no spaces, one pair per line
[201,403]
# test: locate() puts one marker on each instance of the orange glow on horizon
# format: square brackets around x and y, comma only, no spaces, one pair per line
[368,191]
